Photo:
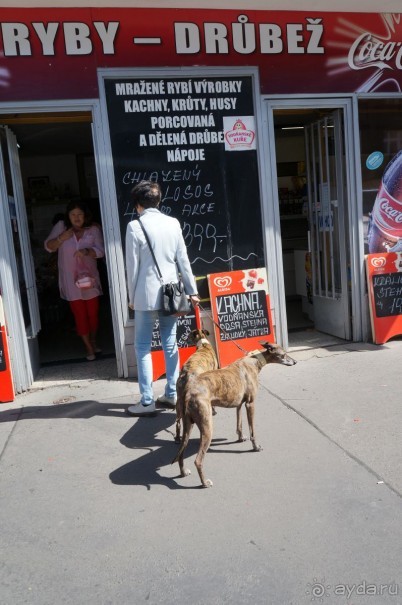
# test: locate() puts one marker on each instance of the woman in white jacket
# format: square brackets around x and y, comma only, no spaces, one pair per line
[145,291]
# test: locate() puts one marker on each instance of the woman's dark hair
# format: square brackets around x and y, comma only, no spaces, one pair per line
[59,216]
[81,206]
[146,194]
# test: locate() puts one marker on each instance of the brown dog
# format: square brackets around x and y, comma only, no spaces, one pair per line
[229,387]
[202,360]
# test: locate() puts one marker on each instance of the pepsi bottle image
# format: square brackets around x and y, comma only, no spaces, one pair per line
[385,228]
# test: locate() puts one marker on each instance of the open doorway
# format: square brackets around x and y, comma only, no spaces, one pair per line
[313,210]
[56,158]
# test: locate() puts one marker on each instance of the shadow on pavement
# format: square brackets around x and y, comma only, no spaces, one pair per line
[76,409]
[145,434]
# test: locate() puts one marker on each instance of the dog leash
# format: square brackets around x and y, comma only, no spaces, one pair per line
[222,330]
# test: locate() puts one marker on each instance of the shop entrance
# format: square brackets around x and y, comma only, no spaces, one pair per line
[312,194]
[48,160]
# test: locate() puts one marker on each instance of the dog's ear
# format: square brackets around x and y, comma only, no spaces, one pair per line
[268,346]
[206,332]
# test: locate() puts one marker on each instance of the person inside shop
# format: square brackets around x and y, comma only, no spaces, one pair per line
[145,290]
[79,243]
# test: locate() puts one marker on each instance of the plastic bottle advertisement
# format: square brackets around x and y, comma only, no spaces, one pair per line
[385,220]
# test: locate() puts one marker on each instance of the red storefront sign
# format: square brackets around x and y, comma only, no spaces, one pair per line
[384,276]
[55,53]
[241,307]
[186,348]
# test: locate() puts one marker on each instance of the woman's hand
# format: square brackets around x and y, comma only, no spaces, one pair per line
[63,237]
[195,300]
[83,252]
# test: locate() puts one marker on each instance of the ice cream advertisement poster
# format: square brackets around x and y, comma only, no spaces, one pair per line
[384,278]
[239,133]
[241,310]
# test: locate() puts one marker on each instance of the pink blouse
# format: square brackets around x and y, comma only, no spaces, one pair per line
[67,262]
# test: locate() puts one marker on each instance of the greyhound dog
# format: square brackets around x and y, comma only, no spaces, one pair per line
[228,387]
[202,360]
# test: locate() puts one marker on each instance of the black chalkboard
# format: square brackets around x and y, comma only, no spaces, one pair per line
[387,289]
[3,366]
[243,315]
[170,130]
[185,325]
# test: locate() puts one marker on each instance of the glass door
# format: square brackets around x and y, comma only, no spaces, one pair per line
[16,278]
[327,212]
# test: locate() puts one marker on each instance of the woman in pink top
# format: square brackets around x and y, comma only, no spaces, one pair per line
[79,243]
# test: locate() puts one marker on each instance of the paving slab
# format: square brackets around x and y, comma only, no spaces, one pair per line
[92,510]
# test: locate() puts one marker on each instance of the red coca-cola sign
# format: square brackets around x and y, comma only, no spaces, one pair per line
[387,214]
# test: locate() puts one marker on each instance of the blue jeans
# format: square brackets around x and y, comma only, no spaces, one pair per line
[144,325]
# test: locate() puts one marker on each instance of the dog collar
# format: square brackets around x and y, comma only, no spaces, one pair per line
[257,354]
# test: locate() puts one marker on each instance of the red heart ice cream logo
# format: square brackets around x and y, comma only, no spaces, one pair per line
[379,261]
[222,282]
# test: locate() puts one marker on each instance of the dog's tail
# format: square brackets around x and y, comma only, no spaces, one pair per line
[181,449]
[179,416]
[176,458]
[186,433]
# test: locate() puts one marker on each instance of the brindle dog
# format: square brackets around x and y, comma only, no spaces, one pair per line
[228,387]
[202,360]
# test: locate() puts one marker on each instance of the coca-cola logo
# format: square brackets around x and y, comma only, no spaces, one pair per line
[379,261]
[390,211]
[369,51]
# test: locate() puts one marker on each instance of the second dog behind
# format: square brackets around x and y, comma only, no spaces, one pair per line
[202,360]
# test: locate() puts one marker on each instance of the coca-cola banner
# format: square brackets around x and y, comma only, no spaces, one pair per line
[381,158]
[54,53]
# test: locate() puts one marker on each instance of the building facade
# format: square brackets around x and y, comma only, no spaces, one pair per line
[268,130]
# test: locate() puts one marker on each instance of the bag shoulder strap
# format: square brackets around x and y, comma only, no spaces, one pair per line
[151,249]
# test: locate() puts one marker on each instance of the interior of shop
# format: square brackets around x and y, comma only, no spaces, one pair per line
[57,165]
[290,143]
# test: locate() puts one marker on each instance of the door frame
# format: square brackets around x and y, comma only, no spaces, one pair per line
[270,200]
[116,280]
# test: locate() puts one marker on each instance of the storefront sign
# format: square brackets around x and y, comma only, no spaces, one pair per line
[186,348]
[240,135]
[352,52]
[171,130]
[384,275]
[241,307]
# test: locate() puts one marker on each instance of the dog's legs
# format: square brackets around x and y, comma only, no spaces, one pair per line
[239,428]
[250,418]
[205,426]
[187,426]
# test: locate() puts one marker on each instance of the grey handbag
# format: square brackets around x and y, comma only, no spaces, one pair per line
[174,299]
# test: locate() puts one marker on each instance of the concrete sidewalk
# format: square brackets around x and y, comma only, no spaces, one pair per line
[93,512]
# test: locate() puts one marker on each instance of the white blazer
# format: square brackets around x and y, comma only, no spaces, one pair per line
[165,235]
